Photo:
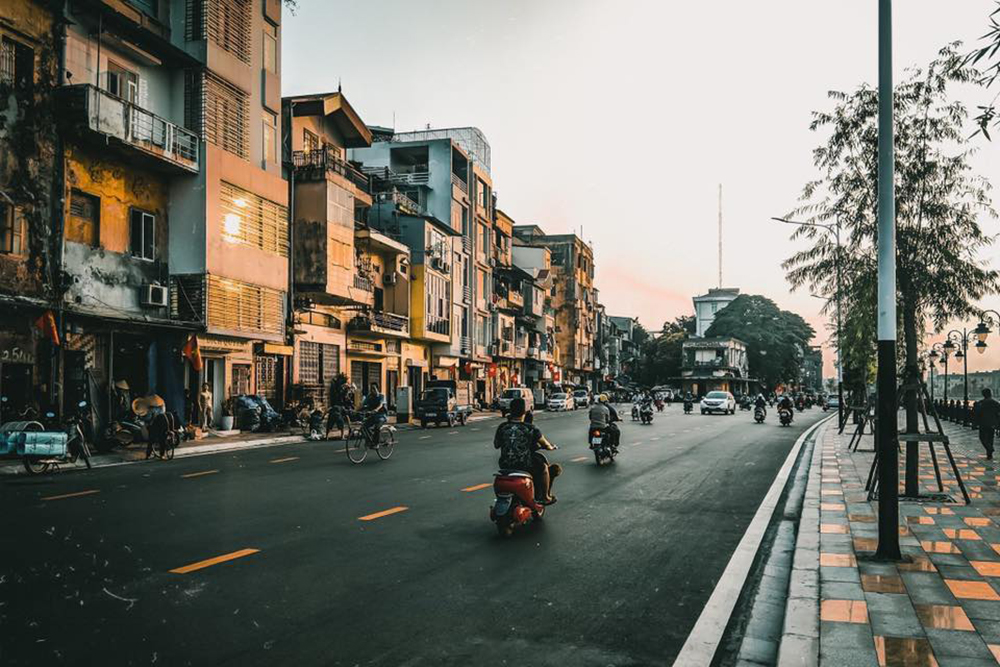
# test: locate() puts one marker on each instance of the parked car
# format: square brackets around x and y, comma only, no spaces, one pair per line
[516,392]
[581,399]
[718,401]
[444,401]
[559,401]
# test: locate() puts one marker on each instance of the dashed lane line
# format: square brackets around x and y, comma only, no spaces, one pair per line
[476,487]
[73,495]
[580,458]
[286,459]
[202,564]
[199,474]
[379,515]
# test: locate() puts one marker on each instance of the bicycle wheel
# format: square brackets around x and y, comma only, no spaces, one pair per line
[168,451]
[386,443]
[357,446]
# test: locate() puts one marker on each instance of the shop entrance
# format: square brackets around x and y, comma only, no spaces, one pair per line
[364,374]
[15,390]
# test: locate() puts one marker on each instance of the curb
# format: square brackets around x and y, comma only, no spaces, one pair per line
[705,637]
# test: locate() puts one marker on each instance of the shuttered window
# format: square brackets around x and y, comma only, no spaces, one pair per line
[252,220]
[218,111]
[319,363]
[229,23]
[238,306]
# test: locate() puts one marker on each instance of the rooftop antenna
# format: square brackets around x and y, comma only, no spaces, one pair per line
[720,235]
[339,89]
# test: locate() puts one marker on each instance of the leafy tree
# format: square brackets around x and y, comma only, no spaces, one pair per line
[988,54]
[661,355]
[938,204]
[775,338]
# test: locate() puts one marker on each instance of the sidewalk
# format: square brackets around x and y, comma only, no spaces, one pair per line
[208,445]
[941,607]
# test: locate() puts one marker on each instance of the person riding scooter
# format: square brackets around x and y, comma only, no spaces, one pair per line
[519,444]
[785,403]
[760,402]
[603,416]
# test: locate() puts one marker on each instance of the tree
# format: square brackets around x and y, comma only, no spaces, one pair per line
[989,55]
[661,355]
[776,339]
[938,204]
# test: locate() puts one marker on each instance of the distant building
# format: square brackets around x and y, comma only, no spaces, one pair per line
[812,369]
[714,364]
[707,305]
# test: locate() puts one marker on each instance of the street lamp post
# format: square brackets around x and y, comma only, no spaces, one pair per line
[831,228]
[937,351]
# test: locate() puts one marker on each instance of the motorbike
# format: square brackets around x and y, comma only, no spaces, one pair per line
[600,443]
[659,405]
[515,503]
[758,415]
[745,404]
[646,413]
[688,406]
[47,449]
[785,416]
[635,412]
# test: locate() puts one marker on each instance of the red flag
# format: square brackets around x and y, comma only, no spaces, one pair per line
[192,353]
[47,325]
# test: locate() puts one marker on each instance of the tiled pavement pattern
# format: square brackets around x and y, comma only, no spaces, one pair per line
[940,608]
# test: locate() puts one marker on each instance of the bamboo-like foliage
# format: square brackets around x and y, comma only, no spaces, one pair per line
[939,205]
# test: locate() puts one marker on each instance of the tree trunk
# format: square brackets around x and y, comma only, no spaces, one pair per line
[911,380]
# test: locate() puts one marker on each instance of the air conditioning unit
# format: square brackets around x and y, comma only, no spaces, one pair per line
[389,279]
[154,296]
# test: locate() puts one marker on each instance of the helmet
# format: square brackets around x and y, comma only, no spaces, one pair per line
[603,398]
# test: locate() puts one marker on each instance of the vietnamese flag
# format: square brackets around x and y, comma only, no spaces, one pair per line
[47,325]
[192,353]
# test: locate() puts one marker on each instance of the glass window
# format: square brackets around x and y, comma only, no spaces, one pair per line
[13,231]
[270,47]
[142,239]
[270,137]
[122,82]
[310,142]
[17,64]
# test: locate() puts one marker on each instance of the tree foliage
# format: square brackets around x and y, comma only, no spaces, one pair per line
[776,339]
[661,355]
[939,202]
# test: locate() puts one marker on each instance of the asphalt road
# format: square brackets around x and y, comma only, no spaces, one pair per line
[616,573]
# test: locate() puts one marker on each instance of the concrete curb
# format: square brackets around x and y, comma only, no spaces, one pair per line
[799,645]
[703,642]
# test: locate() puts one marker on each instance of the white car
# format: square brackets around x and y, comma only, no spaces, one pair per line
[718,401]
[559,401]
[581,397]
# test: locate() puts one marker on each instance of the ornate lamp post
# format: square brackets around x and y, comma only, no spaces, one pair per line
[957,343]
[937,351]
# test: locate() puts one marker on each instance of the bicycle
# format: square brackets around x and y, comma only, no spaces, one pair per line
[361,438]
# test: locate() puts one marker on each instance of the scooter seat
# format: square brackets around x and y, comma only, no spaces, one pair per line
[512,473]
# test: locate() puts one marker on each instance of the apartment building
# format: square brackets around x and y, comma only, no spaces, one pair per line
[543,362]
[28,251]
[438,194]
[574,300]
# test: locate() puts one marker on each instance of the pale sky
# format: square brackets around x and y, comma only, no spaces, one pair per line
[618,119]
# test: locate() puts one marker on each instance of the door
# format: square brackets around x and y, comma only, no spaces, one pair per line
[391,382]
[415,378]
[15,389]
[215,376]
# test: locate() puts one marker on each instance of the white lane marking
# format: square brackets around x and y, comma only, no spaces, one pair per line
[424,437]
[700,647]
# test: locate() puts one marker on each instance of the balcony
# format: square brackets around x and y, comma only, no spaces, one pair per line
[533,353]
[325,160]
[459,183]
[467,295]
[381,323]
[515,299]
[402,202]
[416,175]
[362,283]
[441,327]
[116,122]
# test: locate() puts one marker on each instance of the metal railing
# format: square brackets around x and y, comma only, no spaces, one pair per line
[378,320]
[418,175]
[363,283]
[442,326]
[401,201]
[467,295]
[330,160]
[459,183]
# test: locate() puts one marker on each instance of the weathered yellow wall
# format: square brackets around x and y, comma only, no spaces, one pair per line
[121,187]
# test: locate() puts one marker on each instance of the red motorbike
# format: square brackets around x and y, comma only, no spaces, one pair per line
[515,503]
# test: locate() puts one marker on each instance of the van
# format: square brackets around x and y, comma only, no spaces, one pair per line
[516,392]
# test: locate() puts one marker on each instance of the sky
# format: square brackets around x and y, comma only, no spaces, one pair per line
[618,119]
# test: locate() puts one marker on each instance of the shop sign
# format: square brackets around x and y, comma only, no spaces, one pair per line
[15,354]
[273,348]
[222,344]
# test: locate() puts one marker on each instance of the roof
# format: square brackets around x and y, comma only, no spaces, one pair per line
[720,293]
[337,109]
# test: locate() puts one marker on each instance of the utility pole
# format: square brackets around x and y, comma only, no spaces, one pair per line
[720,235]
[887,433]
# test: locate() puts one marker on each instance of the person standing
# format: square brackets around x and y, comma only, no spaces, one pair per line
[987,415]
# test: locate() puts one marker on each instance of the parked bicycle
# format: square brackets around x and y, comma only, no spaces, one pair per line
[364,434]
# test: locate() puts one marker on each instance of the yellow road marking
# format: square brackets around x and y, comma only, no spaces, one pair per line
[213,561]
[477,487]
[73,495]
[580,458]
[286,459]
[379,515]
[199,474]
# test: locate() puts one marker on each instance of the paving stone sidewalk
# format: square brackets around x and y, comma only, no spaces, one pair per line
[941,607]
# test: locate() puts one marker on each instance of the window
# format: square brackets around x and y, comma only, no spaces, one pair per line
[270,137]
[238,306]
[484,239]
[142,240]
[17,64]
[270,47]
[310,142]
[121,82]
[149,7]
[84,222]
[252,220]
[13,231]
[319,363]
[218,111]
[229,25]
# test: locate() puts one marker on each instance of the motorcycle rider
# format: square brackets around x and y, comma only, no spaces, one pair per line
[519,444]
[761,402]
[785,403]
[603,416]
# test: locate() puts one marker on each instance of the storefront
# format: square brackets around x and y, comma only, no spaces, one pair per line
[18,378]
[227,368]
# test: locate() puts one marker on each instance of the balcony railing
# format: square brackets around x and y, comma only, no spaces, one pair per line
[325,158]
[417,175]
[467,295]
[402,202]
[362,283]
[442,327]
[459,183]
[378,321]
[515,299]
[115,117]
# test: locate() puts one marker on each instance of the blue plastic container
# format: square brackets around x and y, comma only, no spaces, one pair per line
[10,443]
[43,443]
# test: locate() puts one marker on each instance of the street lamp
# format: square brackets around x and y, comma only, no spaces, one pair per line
[938,351]
[831,228]
[958,341]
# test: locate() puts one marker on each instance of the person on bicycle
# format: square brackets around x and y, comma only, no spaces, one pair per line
[374,408]
[520,444]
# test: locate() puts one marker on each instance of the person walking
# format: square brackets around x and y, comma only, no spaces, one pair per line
[987,415]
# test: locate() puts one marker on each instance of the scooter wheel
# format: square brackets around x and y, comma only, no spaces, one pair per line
[505,528]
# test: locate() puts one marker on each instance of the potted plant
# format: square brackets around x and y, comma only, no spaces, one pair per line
[226,422]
